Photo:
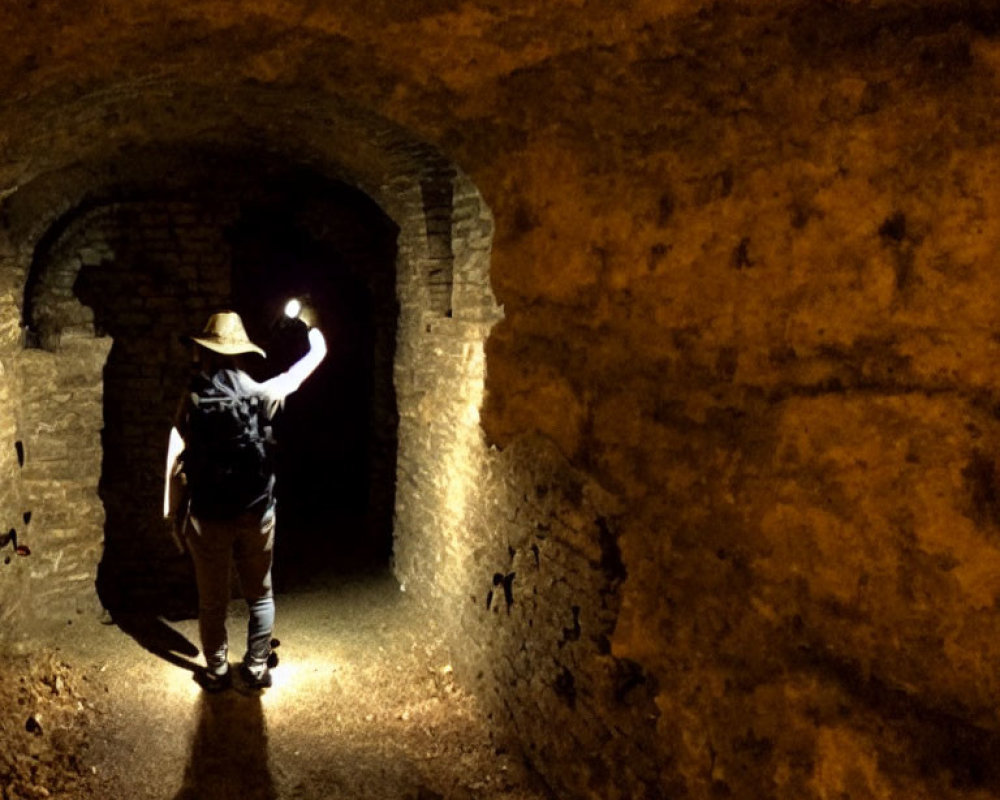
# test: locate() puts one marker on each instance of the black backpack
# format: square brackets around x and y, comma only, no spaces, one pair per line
[228,459]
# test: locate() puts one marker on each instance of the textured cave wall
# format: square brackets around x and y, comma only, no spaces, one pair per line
[739,534]
[748,285]
[767,324]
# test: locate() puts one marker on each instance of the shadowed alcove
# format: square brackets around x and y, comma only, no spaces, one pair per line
[337,434]
[141,263]
[138,265]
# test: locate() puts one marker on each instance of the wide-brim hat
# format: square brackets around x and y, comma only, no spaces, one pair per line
[224,333]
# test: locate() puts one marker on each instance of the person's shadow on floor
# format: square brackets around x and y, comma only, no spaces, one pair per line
[154,635]
[229,758]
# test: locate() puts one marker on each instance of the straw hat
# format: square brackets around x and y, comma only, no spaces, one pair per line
[224,333]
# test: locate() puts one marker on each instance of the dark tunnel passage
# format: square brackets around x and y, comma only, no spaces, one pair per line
[146,268]
[337,435]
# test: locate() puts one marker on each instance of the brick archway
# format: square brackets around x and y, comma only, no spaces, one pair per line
[441,288]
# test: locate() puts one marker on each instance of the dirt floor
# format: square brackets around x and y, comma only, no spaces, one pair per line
[364,705]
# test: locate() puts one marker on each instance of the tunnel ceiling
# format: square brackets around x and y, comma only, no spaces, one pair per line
[89,80]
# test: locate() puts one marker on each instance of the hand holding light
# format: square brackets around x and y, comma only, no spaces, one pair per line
[296,309]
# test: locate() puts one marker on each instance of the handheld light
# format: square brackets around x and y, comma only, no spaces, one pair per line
[293,308]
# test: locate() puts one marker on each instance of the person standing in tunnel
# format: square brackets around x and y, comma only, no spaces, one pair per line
[221,445]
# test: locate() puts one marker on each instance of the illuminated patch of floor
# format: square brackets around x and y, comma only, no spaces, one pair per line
[364,705]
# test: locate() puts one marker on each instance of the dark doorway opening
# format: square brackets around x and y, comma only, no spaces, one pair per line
[336,436]
[145,266]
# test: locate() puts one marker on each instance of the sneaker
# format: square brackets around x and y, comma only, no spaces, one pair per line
[253,679]
[214,681]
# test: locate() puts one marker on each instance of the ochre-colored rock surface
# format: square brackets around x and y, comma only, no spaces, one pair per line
[747,257]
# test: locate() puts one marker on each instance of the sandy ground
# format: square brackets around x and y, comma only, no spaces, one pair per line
[364,705]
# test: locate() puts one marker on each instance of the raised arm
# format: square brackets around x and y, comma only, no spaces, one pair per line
[280,386]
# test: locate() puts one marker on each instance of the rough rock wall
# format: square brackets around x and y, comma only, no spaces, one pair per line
[769,320]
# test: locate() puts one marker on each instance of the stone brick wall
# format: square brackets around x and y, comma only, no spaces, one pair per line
[63,521]
[514,554]
[137,273]
[542,612]
[439,380]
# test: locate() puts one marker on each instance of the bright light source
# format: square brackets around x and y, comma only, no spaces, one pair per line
[293,308]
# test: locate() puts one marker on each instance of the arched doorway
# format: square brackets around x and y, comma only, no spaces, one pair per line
[217,231]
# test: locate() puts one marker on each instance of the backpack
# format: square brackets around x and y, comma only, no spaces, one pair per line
[228,461]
